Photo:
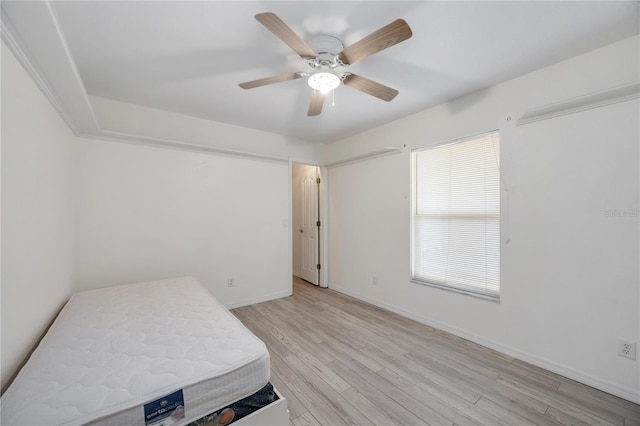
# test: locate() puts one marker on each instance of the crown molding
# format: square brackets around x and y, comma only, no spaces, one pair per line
[13,42]
[609,96]
[179,145]
[387,150]
[90,121]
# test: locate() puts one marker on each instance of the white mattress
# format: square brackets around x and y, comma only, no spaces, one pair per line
[113,350]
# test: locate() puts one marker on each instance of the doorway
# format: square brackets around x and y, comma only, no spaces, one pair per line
[307,232]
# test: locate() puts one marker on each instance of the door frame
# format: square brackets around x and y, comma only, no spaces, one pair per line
[323,234]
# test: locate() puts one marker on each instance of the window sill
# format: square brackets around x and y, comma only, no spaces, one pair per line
[495,299]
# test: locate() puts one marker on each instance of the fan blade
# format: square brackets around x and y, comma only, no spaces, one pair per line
[370,87]
[270,80]
[387,36]
[286,34]
[315,106]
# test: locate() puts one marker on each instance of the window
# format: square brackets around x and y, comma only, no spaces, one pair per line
[455,209]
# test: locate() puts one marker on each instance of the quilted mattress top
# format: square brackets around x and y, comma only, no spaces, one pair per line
[115,348]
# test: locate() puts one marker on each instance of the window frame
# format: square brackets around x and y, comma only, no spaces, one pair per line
[412,215]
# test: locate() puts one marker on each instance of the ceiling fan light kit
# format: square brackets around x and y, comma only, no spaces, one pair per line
[323,80]
[327,55]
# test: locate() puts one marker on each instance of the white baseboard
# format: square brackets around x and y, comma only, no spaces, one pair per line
[255,300]
[624,392]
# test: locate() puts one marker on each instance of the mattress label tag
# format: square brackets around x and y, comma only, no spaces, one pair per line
[165,411]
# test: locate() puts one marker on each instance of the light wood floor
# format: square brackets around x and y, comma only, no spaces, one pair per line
[341,361]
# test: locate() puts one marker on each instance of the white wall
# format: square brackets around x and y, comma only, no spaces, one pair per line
[570,275]
[38,198]
[149,213]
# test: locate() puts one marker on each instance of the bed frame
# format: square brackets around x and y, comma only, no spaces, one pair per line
[274,414]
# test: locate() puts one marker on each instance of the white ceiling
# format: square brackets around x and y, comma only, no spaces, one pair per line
[188,57]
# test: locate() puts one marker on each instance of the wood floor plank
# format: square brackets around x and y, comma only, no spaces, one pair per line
[460,398]
[423,376]
[257,327]
[398,405]
[373,413]
[599,408]
[320,406]
[565,418]
[306,419]
[552,400]
[282,368]
[594,397]
[524,410]
[325,394]
[339,351]
[460,374]
[497,364]
[342,361]
[322,370]
[486,386]
[507,416]
[456,360]
[295,336]
[416,400]
[592,406]
[356,323]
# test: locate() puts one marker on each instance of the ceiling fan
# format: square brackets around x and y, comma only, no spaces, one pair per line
[329,57]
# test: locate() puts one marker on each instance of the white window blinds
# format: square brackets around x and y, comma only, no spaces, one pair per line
[456,215]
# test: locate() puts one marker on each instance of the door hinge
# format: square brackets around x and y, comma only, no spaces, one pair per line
[318,266]
[317,180]
[318,224]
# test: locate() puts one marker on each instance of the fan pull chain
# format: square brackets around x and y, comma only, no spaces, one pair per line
[333,98]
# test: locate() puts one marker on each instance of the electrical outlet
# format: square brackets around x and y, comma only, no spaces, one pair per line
[230,282]
[374,280]
[627,349]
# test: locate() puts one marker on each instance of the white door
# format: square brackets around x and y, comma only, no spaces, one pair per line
[309,229]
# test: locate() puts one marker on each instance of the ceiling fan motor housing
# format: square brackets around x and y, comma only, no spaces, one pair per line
[327,49]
